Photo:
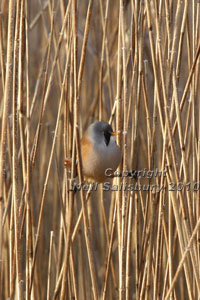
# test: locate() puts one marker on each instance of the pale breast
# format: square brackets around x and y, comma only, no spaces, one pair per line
[98,158]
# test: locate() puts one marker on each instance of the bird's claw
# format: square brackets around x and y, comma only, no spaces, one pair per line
[68,163]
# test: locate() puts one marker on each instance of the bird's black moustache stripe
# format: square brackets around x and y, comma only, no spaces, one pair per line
[107,137]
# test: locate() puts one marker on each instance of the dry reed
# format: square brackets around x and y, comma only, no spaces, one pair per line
[63,65]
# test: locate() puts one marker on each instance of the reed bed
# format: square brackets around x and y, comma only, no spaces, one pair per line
[63,65]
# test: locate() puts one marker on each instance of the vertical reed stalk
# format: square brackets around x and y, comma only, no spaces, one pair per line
[6,101]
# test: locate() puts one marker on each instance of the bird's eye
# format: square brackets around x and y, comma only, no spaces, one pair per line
[107,137]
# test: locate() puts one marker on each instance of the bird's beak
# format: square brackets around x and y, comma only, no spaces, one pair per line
[113,133]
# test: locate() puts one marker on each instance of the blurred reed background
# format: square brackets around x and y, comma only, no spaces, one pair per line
[63,65]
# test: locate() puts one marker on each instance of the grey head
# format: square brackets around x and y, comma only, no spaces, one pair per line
[99,131]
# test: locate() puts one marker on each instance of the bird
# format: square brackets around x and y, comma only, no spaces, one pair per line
[99,152]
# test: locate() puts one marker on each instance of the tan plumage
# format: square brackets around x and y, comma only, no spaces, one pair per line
[99,152]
